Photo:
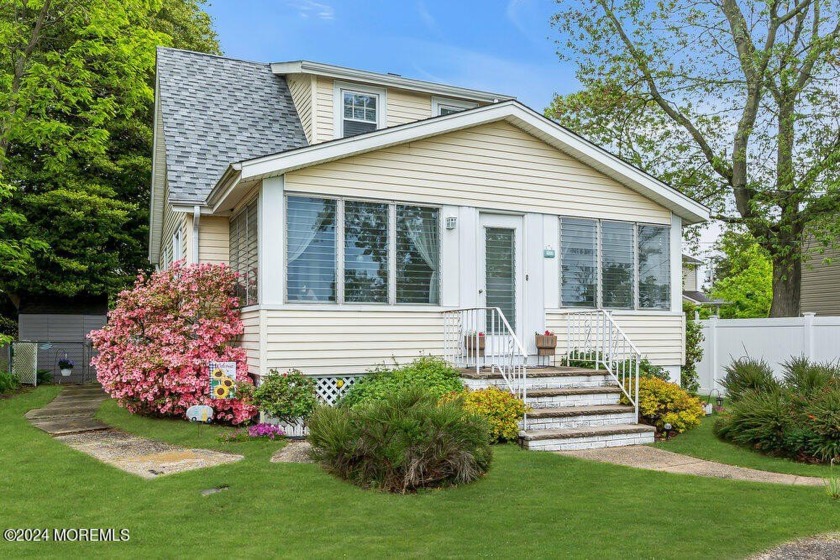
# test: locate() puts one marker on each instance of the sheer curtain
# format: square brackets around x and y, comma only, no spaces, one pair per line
[423,233]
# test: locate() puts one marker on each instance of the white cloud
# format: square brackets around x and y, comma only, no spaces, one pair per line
[426,17]
[310,8]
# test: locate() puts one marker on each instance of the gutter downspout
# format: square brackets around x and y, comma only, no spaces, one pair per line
[196,220]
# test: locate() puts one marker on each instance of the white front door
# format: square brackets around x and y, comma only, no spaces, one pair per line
[500,266]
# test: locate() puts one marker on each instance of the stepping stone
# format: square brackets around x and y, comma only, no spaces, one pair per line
[65,425]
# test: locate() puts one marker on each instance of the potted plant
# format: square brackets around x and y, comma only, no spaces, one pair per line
[65,364]
[546,343]
[473,340]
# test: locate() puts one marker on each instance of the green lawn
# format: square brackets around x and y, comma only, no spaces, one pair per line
[702,443]
[531,505]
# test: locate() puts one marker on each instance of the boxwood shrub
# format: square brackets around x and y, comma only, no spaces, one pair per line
[432,374]
[402,442]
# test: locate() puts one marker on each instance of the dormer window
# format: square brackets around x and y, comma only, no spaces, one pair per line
[359,110]
[442,106]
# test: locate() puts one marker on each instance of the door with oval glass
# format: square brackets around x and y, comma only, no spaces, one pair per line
[500,272]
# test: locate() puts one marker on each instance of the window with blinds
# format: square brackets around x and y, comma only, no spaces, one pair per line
[617,264]
[578,262]
[310,249]
[244,252]
[654,267]
[418,255]
[500,272]
[360,112]
[365,252]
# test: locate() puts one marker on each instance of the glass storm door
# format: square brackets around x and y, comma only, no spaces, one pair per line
[500,267]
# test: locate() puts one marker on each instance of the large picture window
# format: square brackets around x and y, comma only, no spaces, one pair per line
[310,249]
[379,261]
[579,262]
[244,252]
[617,265]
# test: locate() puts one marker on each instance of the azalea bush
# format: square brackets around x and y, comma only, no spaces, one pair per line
[288,397]
[154,352]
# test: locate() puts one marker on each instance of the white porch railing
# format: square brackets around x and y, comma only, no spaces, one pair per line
[481,337]
[593,336]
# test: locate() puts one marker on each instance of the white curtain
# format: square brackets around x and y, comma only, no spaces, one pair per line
[424,235]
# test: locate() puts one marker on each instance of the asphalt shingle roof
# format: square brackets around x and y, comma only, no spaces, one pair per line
[217,111]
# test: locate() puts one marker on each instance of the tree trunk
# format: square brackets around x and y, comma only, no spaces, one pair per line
[787,278]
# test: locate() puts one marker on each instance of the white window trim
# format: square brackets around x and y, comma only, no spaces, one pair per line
[339,253]
[439,102]
[338,104]
[599,287]
[176,246]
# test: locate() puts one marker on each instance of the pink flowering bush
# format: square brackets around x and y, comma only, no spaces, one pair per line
[153,354]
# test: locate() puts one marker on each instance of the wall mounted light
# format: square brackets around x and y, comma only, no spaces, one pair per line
[451,222]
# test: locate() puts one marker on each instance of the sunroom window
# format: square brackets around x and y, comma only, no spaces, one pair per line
[654,267]
[359,112]
[579,262]
[244,250]
[376,260]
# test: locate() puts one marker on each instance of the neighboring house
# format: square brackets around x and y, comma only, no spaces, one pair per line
[692,284]
[60,327]
[821,283]
[362,210]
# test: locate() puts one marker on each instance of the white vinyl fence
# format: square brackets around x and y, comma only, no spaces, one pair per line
[774,340]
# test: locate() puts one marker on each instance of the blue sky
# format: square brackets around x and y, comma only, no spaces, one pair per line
[503,46]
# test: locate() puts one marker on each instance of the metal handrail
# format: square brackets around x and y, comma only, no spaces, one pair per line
[593,335]
[476,337]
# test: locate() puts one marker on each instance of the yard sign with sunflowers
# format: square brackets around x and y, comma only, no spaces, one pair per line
[222,375]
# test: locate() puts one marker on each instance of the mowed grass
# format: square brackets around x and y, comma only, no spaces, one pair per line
[531,505]
[701,442]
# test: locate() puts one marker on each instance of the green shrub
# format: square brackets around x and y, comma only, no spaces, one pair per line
[748,374]
[8,382]
[805,377]
[821,416]
[662,402]
[689,378]
[502,410]
[758,419]
[287,397]
[405,441]
[646,368]
[44,376]
[434,375]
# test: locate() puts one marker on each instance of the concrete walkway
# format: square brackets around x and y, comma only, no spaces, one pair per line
[654,459]
[71,419]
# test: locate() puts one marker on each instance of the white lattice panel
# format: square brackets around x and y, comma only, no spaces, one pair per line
[25,362]
[330,388]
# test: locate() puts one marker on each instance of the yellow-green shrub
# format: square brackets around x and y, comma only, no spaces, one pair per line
[661,402]
[501,408]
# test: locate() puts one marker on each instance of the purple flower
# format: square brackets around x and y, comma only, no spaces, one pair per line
[264,430]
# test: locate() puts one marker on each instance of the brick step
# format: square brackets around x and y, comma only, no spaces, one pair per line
[580,417]
[568,439]
[563,397]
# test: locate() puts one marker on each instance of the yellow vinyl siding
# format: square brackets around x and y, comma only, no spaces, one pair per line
[300,87]
[348,341]
[213,240]
[660,337]
[406,106]
[250,340]
[323,112]
[172,221]
[493,166]
[821,284]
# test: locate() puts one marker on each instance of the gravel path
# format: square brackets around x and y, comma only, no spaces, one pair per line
[655,459]
[824,547]
[70,418]
[293,452]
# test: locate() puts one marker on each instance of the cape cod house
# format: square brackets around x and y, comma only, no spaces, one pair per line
[374,218]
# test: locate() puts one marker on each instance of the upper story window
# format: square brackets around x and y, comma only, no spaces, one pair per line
[442,106]
[358,110]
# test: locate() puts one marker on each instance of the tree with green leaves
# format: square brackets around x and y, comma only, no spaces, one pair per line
[743,277]
[76,101]
[733,102]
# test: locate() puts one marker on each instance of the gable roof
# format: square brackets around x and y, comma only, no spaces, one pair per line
[216,110]
[384,80]
[239,174]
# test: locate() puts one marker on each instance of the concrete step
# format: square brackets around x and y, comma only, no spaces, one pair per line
[563,397]
[569,439]
[580,417]
[541,378]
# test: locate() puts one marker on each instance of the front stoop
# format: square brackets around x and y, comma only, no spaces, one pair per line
[571,409]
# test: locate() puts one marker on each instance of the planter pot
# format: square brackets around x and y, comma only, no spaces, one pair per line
[546,345]
[470,344]
[65,372]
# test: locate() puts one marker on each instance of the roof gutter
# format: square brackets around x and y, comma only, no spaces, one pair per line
[228,181]
[195,224]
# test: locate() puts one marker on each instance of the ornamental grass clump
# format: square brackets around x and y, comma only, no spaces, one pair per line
[406,441]
[154,352]
[798,418]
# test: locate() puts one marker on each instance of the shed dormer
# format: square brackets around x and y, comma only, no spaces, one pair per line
[335,102]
